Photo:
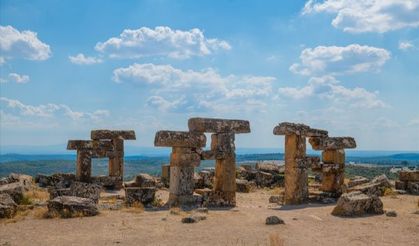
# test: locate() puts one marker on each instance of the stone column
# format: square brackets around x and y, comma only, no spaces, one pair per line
[333,160]
[183,160]
[223,151]
[296,162]
[84,165]
[116,161]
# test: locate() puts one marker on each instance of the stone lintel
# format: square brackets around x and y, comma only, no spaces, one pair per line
[332,143]
[287,128]
[112,134]
[213,125]
[89,145]
[179,139]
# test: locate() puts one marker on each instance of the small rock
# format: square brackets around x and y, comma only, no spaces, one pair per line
[274,220]
[199,217]
[189,220]
[391,213]
[202,210]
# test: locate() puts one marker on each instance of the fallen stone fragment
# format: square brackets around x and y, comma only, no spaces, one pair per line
[57,180]
[202,210]
[145,180]
[71,206]
[357,204]
[144,195]
[8,207]
[14,190]
[413,187]
[391,213]
[86,190]
[189,220]
[376,186]
[264,179]
[358,180]
[242,186]
[271,168]
[24,179]
[274,220]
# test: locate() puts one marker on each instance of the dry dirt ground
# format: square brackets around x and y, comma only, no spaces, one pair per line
[310,224]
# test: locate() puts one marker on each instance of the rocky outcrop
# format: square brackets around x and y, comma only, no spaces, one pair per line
[71,206]
[7,206]
[357,204]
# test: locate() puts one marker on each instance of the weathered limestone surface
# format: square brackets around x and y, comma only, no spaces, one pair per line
[287,128]
[84,165]
[112,134]
[57,180]
[14,190]
[332,143]
[179,139]
[72,206]
[212,125]
[145,180]
[86,190]
[89,145]
[409,176]
[271,168]
[143,195]
[357,204]
[165,175]
[8,207]
[376,186]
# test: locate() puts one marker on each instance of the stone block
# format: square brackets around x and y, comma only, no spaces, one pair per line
[145,180]
[358,180]
[180,139]
[243,186]
[8,207]
[271,168]
[264,179]
[165,174]
[184,159]
[143,195]
[413,187]
[400,185]
[332,143]
[409,176]
[89,145]
[213,125]
[333,156]
[86,190]
[357,204]
[71,206]
[112,134]
[287,128]
[181,180]
[14,190]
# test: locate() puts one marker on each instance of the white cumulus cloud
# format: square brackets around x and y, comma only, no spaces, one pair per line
[406,45]
[357,16]
[337,60]
[328,88]
[25,44]
[190,90]
[81,59]
[20,79]
[160,41]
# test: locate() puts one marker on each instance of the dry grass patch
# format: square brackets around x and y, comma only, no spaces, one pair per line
[136,207]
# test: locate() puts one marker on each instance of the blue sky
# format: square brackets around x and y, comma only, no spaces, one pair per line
[350,67]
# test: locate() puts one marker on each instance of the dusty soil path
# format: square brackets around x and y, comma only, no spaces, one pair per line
[245,225]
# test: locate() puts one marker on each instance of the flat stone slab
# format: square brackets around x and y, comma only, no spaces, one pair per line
[332,143]
[288,128]
[213,125]
[71,206]
[112,134]
[8,207]
[89,145]
[180,139]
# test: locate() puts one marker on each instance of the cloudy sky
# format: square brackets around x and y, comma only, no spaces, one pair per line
[347,66]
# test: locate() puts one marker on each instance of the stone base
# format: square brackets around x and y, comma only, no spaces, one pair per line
[182,200]
[144,195]
[222,199]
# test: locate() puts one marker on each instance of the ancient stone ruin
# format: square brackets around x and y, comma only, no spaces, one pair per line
[223,151]
[333,161]
[296,161]
[185,156]
[103,144]
[409,181]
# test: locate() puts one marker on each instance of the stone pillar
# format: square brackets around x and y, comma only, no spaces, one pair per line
[183,160]
[333,160]
[116,161]
[296,162]
[165,175]
[296,177]
[225,168]
[223,151]
[84,166]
